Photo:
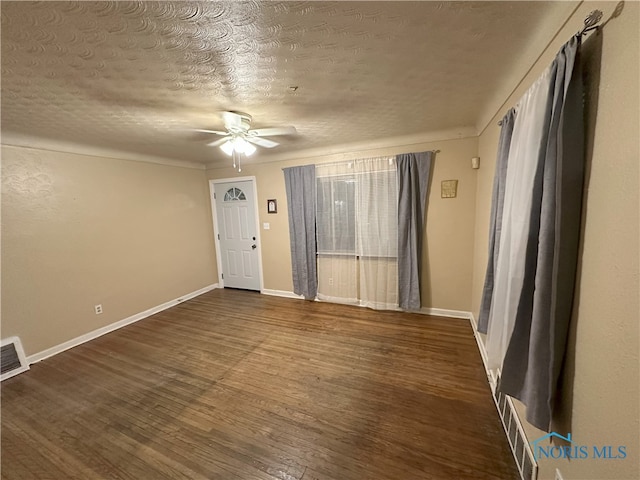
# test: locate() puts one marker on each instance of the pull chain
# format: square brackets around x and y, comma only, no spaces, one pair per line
[237,156]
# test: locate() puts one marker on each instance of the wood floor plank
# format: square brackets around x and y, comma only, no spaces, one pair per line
[238,385]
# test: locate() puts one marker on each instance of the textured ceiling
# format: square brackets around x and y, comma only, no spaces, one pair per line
[135,76]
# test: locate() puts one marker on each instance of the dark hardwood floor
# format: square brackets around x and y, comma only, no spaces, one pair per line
[238,385]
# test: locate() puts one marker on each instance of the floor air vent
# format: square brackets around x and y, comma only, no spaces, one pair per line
[13,360]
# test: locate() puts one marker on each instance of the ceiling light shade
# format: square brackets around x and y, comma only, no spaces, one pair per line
[227,147]
[238,145]
[249,149]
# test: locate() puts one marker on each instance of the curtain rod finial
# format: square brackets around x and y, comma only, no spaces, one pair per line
[591,21]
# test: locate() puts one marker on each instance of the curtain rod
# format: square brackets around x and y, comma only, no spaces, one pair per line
[590,23]
[390,157]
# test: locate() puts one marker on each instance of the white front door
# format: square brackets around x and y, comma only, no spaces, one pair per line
[238,239]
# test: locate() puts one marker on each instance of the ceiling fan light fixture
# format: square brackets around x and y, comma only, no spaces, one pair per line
[238,145]
[227,147]
[247,148]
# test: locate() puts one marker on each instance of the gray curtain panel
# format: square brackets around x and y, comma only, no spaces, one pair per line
[413,184]
[495,222]
[535,354]
[300,183]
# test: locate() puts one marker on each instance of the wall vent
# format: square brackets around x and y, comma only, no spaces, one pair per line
[12,358]
[520,448]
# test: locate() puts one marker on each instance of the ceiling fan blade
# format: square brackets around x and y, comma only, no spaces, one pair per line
[216,132]
[218,142]
[262,142]
[267,132]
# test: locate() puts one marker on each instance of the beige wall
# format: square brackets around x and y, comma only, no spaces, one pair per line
[80,230]
[449,248]
[603,385]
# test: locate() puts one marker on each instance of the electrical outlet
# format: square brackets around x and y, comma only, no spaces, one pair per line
[98,309]
[331,281]
[558,475]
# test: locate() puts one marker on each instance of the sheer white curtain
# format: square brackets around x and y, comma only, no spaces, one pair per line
[336,233]
[357,228]
[524,154]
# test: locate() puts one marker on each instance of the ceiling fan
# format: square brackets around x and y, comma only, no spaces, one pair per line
[239,138]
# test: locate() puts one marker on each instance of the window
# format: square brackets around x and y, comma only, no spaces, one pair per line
[357,214]
[377,214]
[234,194]
[357,232]
[336,215]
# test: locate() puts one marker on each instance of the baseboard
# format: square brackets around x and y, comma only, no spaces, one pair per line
[49,352]
[436,312]
[281,293]
[474,323]
[443,312]
[481,348]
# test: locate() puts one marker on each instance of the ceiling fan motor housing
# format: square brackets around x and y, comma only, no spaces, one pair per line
[242,124]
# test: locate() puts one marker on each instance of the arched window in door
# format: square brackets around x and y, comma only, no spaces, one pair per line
[234,194]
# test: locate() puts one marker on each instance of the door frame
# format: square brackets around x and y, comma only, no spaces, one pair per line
[216,230]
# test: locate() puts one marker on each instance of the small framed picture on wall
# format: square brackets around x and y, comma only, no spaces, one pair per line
[272,206]
[449,189]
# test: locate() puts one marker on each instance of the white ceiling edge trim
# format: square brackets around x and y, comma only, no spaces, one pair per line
[400,142]
[27,141]
[555,23]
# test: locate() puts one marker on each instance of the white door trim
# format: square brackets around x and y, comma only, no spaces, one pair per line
[216,230]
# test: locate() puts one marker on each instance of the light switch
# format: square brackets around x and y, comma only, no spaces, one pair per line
[266,226]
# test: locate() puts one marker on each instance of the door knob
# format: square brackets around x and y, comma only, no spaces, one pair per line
[254,246]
